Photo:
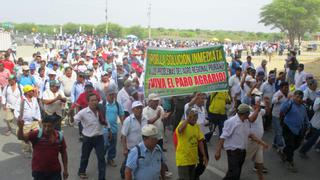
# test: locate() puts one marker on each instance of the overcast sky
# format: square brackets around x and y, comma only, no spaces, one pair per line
[183,14]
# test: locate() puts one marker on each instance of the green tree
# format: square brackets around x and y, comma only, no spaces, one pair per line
[115,30]
[138,31]
[292,17]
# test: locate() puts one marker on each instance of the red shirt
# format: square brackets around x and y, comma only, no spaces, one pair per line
[82,99]
[46,154]
[8,65]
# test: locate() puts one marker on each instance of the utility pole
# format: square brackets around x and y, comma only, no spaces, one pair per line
[149,18]
[106,17]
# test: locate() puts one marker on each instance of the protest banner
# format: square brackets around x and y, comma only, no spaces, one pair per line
[174,72]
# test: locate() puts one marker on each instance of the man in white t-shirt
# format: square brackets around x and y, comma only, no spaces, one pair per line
[53,100]
[131,131]
[299,76]
[154,114]
[235,89]
[67,81]
[254,149]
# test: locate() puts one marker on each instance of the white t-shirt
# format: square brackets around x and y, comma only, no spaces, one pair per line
[150,113]
[124,99]
[299,78]
[131,128]
[67,83]
[55,107]
[256,127]
[234,83]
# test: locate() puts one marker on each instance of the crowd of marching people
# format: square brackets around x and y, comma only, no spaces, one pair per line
[97,85]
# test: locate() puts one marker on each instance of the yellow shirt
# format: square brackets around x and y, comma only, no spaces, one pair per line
[187,148]
[218,102]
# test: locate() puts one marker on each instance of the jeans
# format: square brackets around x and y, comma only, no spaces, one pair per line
[292,142]
[313,137]
[278,138]
[235,161]
[88,144]
[291,74]
[46,175]
[110,146]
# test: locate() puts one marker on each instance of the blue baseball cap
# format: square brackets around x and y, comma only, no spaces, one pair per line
[32,66]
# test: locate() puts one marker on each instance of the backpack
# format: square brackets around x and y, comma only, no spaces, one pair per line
[139,155]
[40,133]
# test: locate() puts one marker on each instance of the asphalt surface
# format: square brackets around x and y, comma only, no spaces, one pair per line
[14,166]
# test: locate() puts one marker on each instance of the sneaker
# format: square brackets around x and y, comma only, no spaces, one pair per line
[291,167]
[264,169]
[303,155]
[112,163]
[168,174]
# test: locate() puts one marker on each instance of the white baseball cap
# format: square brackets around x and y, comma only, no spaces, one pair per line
[136,104]
[150,130]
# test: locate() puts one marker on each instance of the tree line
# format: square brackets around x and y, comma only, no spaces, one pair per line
[118,31]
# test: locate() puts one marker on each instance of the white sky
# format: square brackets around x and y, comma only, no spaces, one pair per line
[182,14]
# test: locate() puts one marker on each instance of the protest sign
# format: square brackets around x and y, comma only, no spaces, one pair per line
[173,72]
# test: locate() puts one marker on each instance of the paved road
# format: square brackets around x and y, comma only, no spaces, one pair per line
[14,166]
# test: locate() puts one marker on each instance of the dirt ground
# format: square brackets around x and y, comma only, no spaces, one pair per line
[310,59]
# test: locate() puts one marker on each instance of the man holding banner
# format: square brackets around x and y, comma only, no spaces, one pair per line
[181,72]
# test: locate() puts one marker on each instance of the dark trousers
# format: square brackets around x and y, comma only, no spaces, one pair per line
[46,175]
[186,172]
[292,143]
[313,137]
[216,120]
[80,129]
[88,144]
[235,161]
[200,168]
[267,120]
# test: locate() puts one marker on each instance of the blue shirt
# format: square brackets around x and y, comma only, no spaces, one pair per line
[148,167]
[233,66]
[27,80]
[296,118]
[76,90]
[112,113]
